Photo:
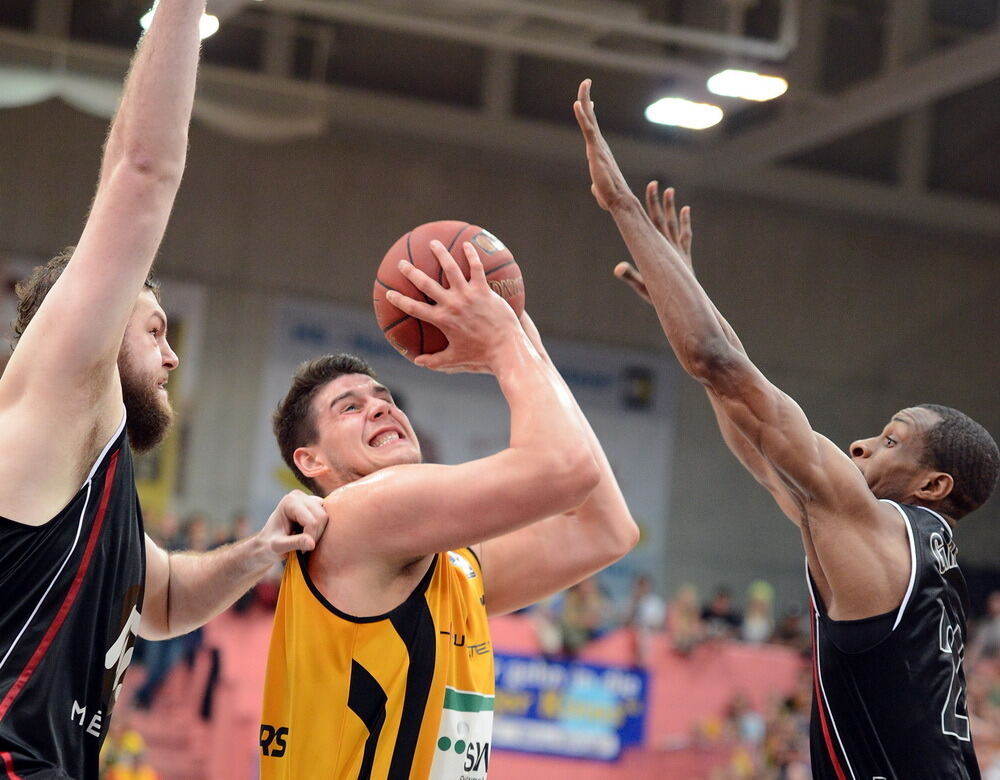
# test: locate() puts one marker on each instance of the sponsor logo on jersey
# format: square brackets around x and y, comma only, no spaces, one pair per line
[464,736]
[273,740]
[462,565]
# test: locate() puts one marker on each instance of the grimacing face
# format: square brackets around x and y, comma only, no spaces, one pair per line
[360,430]
[893,462]
[144,364]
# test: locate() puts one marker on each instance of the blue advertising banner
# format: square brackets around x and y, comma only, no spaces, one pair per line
[570,709]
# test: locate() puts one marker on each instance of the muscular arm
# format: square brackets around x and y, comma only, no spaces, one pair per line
[847,532]
[187,589]
[402,513]
[62,378]
[525,566]
[678,232]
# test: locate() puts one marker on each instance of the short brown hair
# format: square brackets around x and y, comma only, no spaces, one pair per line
[32,291]
[293,420]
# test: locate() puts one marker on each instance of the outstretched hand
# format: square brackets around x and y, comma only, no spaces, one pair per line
[662,212]
[472,317]
[607,182]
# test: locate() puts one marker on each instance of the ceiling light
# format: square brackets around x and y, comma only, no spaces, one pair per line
[747,85]
[683,113]
[208,25]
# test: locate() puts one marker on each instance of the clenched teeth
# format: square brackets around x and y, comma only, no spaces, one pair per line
[385,438]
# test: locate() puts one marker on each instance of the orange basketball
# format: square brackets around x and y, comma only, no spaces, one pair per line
[411,336]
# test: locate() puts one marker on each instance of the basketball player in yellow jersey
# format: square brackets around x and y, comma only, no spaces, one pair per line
[381,663]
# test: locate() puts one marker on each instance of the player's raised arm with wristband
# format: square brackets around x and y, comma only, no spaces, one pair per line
[877,525]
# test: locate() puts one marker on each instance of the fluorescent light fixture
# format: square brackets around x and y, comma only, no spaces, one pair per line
[208,25]
[683,113]
[747,85]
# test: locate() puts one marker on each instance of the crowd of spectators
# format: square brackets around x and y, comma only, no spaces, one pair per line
[567,622]
[772,742]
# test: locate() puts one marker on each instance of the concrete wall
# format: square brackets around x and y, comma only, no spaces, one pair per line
[854,319]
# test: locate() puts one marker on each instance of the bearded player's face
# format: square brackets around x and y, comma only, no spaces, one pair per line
[144,363]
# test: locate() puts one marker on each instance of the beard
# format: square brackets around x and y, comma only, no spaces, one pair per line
[147,415]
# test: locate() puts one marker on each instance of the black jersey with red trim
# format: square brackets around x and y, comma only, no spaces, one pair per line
[72,591]
[889,691]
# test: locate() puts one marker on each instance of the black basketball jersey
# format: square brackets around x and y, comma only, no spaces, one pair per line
[889,691]
[71,594]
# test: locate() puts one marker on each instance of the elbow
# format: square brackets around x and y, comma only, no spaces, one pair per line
[629,537]
[712,362]
[585,475]
[570,479]
[139,163]
[624,538]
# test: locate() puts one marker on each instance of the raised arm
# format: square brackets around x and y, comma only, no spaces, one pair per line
[527,565]
[678,231]
[843,524]
[62,378]
[403,513]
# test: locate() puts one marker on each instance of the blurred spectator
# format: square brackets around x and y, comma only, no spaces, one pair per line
[239,529]
[197,539]
[786,745]
[758,618]
[168,532]
[684,620]
[585,611]
[721,619]
[986,641]
[161,657]
[791,631]
[196,532]
[127,759]
[647,615]
[748,726]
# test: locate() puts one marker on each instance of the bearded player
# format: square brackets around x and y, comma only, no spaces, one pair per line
[86,385]
[877,524]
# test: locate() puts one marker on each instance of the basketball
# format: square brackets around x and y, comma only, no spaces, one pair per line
[411,336]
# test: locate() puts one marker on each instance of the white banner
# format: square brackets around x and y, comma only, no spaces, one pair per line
[628,396]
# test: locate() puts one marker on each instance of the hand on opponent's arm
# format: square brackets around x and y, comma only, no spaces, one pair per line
[185,590]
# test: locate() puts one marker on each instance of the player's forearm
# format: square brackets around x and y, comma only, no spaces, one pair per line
[202,585]
[150,128]
[545,424]
[604,521]
[699,335]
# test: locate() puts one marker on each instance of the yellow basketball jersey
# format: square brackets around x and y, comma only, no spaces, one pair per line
[403,696]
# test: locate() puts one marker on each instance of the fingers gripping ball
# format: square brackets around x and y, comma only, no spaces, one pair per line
[411,336]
